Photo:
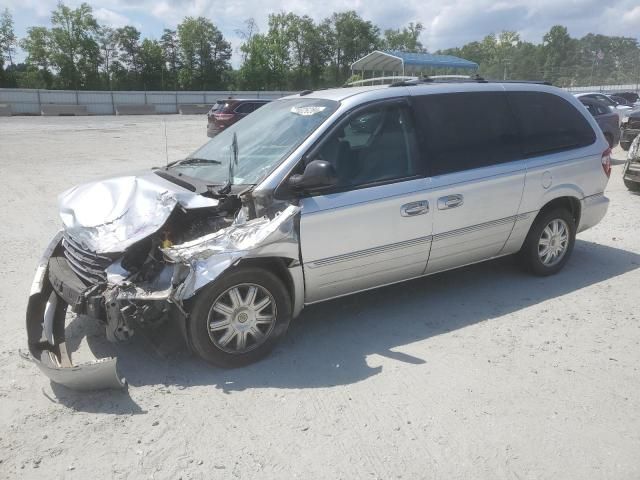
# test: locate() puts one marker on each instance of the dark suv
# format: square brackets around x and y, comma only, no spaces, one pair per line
[227,112]
[608,121]
[631,97]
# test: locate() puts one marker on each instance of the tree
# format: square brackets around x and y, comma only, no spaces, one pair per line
[74,49]
[152,64]
[256,72]
[38,62]
[405,40]
[170,52]
[307,54]
[349,37]
[560,52]
[251,28]
[108,42]
[8,40]
[129,65]
[204,54]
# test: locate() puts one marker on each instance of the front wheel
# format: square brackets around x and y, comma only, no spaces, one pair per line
[549,242]
[239,318]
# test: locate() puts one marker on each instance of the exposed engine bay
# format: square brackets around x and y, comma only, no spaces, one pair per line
[134,249]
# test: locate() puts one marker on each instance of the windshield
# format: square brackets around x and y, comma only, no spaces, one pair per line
[264,139]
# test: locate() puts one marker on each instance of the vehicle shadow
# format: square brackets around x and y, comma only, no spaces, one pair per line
[618,158]
[329,344]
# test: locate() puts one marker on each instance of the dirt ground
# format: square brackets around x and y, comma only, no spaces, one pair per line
[480,373]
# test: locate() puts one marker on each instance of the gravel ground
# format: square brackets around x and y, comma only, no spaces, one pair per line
[480,373]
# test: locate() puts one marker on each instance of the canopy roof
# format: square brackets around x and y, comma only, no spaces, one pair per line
[404,62]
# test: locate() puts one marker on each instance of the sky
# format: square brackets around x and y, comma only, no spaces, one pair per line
[448,23]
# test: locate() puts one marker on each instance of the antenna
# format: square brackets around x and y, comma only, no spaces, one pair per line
[166,149]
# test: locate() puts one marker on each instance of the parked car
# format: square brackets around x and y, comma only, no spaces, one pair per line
[608,121]
[619,109]
[629,128]
[621,101]
[227,112]
[631,97]
[631,172]
[312,197]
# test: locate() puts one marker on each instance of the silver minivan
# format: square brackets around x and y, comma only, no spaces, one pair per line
[312,197]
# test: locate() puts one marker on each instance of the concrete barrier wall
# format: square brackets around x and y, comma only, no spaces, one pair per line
[5,110]
[63,110]
[134,109]
[31,102]
[194,109]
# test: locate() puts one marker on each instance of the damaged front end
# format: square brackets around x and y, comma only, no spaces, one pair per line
[133,250]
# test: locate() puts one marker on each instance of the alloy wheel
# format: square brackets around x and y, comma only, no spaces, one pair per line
[553,242]
[241,318]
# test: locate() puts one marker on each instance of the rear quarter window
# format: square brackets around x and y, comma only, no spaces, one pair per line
[549,123]
[467,130]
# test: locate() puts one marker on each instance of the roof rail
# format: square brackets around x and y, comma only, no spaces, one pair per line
[380,80]
[440,79]
[459,78]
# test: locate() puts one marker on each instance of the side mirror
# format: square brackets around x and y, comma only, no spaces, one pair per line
[317,174]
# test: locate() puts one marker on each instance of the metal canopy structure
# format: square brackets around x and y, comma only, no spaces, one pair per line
[404,63]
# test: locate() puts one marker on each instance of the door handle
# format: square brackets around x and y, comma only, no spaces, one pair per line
[414,208]
[450,201]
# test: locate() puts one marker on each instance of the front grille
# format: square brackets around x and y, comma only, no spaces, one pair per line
[88,265]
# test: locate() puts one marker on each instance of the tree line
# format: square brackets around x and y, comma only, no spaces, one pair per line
[295,52]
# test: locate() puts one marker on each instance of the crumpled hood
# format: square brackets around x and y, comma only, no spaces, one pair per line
[108,216]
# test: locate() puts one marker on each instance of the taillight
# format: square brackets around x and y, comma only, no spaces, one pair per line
[223,116]
[606,162]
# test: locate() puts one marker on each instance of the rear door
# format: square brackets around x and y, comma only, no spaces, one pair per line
[477,174]
[374,227]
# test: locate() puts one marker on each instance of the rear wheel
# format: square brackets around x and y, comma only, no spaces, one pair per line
[549,242]
[633,186]
[239,318]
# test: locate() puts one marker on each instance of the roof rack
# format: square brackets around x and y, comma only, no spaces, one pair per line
[458,79]
[440,79]
[379,80]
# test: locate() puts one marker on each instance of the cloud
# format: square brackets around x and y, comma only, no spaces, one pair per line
[447,24]
[111,18]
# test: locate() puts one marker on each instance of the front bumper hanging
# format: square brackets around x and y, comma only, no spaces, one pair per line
[46,312]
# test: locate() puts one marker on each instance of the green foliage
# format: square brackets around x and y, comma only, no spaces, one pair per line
[73,48]
[8,40]
[405,40]
[204,54]
[171,55]
[559,59]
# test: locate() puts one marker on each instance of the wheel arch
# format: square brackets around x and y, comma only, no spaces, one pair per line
[569,202]
[287,270]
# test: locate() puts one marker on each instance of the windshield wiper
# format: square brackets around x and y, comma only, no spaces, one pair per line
[195,161]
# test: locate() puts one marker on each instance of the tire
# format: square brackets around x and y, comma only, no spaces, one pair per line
[235,318]
[625,145]
[530,254]
[632,186]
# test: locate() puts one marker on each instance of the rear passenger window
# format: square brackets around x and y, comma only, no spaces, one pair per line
[245,108]
[468,130]
[549,123]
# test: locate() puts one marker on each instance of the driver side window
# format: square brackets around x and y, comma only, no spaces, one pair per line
[374,145]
